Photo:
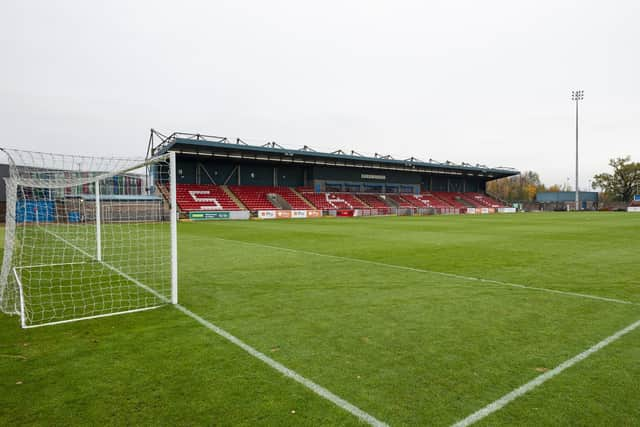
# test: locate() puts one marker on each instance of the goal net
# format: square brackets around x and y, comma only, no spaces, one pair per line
[87,237]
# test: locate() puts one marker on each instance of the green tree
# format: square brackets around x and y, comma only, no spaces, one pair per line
[623,182]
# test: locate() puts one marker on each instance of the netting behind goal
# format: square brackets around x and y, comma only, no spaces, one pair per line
[87,237]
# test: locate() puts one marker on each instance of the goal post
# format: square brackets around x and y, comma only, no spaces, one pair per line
[174,228]
[88,237]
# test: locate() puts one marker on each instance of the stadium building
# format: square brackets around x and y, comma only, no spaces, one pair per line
[222,178]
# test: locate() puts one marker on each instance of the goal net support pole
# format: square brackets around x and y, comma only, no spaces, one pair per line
[98,224]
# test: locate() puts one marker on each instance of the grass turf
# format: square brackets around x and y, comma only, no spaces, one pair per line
[410,347]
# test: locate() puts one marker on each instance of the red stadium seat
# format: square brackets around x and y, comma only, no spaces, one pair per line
[482,200]
[329,201]
[255,197]
[404,200]
[203,197]
[373,201]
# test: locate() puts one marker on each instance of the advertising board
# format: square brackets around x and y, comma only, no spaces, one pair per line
[267,214]
[286,214]
[218,215]
[283,214]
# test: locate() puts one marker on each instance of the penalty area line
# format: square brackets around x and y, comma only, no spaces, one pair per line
[317,389]
[422,270]
[539,380]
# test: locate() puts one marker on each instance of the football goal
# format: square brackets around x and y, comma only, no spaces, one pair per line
[87,237]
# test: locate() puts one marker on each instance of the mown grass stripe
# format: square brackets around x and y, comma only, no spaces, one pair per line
[511,396]
[421,270]
[317,389]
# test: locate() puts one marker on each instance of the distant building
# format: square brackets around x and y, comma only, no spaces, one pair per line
[566,200]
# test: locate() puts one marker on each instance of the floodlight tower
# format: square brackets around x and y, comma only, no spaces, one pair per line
[577,96]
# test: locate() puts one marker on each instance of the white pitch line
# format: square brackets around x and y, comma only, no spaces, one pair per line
[110,267]
[95,316]
[421,270]
[63,240]
[55,264]
[316,388]
[319,390]
[509,397]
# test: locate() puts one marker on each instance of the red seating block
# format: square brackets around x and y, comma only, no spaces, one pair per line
[482,200]
[200,197]
[403,200]
[255,197]
[373,201]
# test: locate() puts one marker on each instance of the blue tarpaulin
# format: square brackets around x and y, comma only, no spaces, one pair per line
[35,211]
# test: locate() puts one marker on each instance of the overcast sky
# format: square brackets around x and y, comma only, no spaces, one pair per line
[474,81]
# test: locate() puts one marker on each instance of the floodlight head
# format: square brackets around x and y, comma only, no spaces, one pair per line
[577,95]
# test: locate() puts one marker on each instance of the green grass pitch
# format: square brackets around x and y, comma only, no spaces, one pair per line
[407,345]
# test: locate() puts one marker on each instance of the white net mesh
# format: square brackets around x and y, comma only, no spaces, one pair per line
[85,237]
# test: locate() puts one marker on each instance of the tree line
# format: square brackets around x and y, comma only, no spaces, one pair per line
[619,185]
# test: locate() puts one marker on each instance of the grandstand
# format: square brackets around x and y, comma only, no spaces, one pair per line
[220,174]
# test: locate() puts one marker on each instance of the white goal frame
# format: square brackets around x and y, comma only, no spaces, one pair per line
[12,287]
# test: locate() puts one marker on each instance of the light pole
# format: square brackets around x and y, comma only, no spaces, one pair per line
[577,95]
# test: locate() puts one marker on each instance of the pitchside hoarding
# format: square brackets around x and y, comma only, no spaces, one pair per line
[284,214]
[218,215]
